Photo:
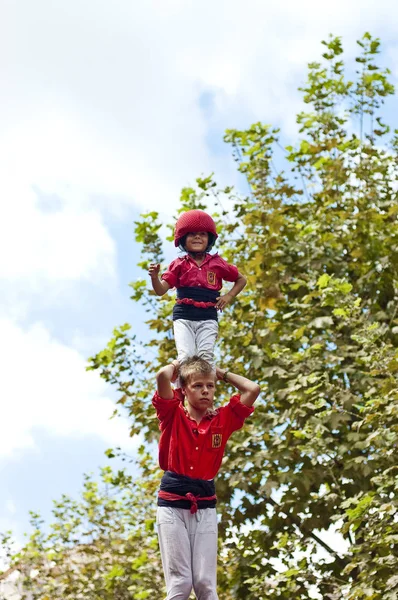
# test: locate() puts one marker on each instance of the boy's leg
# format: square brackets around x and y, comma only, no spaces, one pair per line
[184,337]
[206,336]
[204,554]
[175,551]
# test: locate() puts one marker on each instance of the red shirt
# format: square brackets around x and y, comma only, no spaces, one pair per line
[184,272]
[187,448]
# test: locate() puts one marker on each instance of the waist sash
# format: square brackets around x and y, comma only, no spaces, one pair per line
[181,491]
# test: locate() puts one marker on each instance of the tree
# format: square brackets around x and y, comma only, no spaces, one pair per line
[317,325]
[101,546]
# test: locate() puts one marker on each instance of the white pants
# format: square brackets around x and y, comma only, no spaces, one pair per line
[188,546]
[195,337]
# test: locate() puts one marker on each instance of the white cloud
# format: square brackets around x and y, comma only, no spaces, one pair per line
[10,506]
[69,244]
[105,96]
[45,387]
[47,253]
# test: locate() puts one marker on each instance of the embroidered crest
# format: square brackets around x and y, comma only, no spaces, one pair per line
[216,440]
[211,278]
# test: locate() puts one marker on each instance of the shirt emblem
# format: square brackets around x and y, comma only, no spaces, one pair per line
[211,278]
[216,440]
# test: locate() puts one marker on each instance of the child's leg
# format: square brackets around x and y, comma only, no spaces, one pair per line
[204,554]
[184,337]
[206,336]
[175,551]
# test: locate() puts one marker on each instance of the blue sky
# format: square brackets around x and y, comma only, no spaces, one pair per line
[107,110]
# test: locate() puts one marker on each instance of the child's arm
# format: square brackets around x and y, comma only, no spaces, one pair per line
[160,286]
[248,389]
[164,377]
[238,286]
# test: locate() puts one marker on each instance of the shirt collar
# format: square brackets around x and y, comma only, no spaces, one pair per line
[205,416]
[208,256]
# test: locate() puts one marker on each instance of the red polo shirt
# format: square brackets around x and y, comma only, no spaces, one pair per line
[187,448]
[184,272]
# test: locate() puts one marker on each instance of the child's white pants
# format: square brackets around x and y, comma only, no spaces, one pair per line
[195,337]
[188,546]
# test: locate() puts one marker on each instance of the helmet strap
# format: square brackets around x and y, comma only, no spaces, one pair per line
[196,254]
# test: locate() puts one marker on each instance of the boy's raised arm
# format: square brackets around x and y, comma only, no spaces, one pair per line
[249,390]
[164,377]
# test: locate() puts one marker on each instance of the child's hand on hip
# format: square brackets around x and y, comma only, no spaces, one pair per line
[222,301]
[153,270]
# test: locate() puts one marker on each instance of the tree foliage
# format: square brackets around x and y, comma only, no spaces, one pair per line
[317,326]
[103,545]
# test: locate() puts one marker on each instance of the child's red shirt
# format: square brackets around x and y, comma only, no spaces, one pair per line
[184,272]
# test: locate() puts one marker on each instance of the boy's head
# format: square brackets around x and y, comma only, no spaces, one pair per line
[191,222]
[198,381]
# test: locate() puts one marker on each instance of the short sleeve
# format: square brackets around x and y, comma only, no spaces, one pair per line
[236,413]
[228,272]
[165,409]
[171,276]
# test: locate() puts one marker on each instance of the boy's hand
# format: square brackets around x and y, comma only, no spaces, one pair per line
[220,373]
[222,301]
[176,365]
[153,270]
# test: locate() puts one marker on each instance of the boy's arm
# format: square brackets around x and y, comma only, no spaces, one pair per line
[159,286]
[249,390]
[164,377]
[238,286]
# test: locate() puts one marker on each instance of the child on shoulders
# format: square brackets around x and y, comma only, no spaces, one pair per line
[198,277]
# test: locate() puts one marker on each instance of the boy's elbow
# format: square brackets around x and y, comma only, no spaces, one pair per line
[251,394]
[255,390]
[160,376]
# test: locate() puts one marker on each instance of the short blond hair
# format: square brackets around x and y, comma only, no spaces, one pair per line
[194,365]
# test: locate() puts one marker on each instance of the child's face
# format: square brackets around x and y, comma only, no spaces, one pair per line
[197,241]
[199,391]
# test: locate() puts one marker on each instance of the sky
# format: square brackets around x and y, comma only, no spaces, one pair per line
[107,110]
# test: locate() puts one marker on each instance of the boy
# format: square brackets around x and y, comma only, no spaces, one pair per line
[198,277]
[191,447]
